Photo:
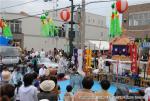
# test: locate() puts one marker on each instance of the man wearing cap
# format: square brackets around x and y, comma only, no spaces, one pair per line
[46,88]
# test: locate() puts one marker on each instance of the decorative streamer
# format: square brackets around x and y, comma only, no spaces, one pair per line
[7,32]
[115,28]
[118,27]
[112,30]
[48,27]
[5,29]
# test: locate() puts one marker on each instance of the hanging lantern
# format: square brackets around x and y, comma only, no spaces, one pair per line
[65,14]
[121,5]
[1,23]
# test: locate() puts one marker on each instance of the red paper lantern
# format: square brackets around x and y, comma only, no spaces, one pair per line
[65,14]
[1,23]
[121,5]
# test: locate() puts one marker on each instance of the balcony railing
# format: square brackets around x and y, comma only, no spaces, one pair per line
[17,31]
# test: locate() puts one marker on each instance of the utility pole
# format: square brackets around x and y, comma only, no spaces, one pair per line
[83,25]
[71,32]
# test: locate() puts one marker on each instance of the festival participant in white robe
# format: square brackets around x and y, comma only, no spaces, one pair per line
[100,65]
[42,53]
[62,64]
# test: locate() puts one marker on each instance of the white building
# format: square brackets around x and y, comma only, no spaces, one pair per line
[27,30]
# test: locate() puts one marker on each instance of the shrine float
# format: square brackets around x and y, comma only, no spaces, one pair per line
[124,52]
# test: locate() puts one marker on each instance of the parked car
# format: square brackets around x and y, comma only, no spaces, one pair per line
[47,62]
[9,56]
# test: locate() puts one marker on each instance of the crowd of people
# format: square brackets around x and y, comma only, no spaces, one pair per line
[36,84]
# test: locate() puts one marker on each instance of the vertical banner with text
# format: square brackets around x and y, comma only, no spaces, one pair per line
[133,57]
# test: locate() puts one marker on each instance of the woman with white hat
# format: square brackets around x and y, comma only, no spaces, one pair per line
[45,91]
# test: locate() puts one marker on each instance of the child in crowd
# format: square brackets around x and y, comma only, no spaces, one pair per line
[68,96]
[36,80]
[17,90]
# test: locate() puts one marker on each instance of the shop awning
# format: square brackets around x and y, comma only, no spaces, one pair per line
[97,45]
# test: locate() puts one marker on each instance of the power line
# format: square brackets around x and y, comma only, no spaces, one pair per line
[19,4]
[61,8]
[98,2]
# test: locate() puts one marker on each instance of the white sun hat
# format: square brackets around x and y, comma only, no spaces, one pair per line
[47,85]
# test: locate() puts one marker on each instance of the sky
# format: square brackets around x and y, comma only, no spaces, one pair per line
[38,6]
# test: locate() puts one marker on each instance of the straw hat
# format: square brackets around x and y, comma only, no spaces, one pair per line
[6,75]
[44,100]
[47,85]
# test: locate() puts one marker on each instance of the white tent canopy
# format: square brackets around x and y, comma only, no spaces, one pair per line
[97,45]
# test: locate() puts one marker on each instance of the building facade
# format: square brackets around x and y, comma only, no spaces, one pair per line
[26,30]
[136,21]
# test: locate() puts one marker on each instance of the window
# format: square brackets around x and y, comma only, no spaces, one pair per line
[139,18]
[93,21]
[102,22]
[12,27]
[88,20]
[99,22]
[15,26]
[101,34]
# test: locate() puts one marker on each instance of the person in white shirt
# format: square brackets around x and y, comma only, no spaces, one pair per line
[147,92]
[42,71]
[62,64]
[100,65]
[42,53]
[27,92]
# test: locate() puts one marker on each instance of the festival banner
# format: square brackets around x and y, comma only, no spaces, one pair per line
[133,57]
[80,62]
[75,54]
[148,68]
[88,57]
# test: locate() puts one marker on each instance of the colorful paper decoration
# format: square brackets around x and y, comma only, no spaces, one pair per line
[115,28]
[1,23]
[48,27]
[7,32]
[4,41]
[121,5]
[65,14]
[88,57]
[5,29]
